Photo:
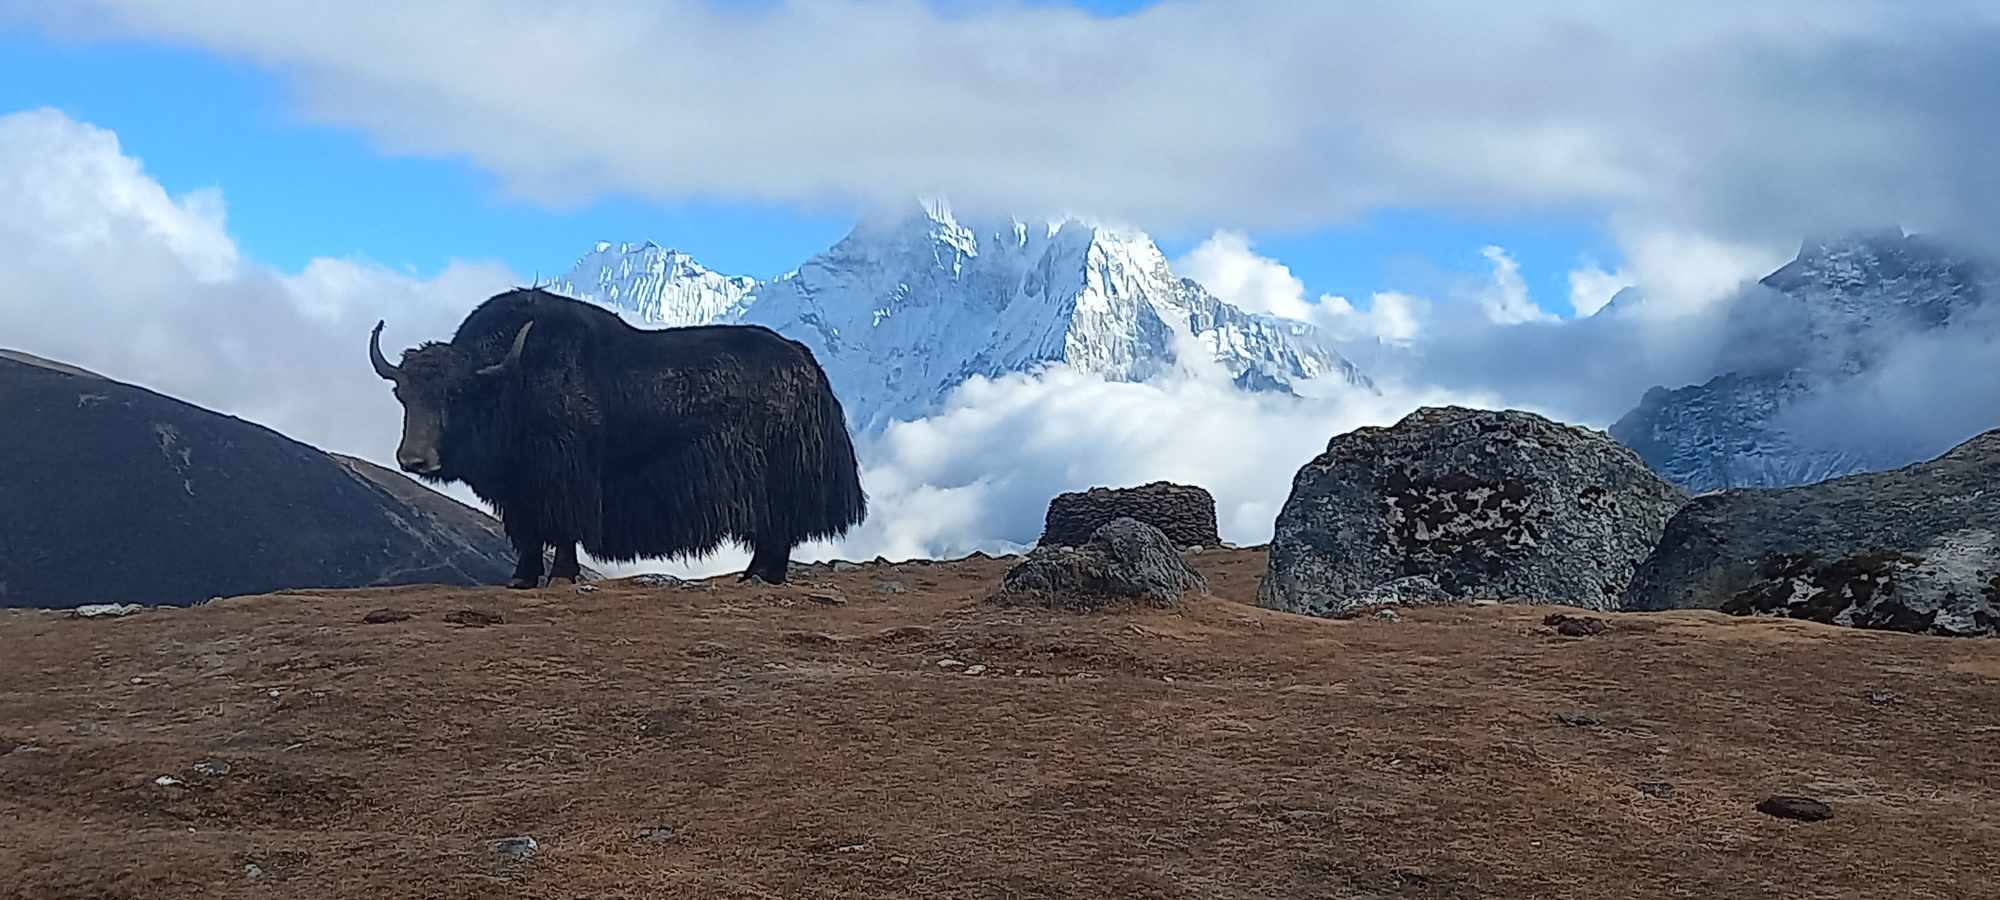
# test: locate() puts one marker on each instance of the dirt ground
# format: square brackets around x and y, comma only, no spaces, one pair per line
[757,742]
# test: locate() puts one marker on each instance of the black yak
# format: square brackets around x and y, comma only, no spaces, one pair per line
[580,428]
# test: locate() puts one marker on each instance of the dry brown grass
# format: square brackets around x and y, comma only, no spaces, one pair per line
[799,749]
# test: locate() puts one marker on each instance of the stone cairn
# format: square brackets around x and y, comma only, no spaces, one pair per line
[1184,513]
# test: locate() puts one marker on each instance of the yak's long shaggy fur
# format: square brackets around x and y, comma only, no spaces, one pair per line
[640,443]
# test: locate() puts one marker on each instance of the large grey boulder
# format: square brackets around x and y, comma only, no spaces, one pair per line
[1912,549]
[1125,562]
[1185,513]
[1453,505]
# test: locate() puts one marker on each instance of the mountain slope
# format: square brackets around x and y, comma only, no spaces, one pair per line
[1832,314]
[906,307]
[120,494]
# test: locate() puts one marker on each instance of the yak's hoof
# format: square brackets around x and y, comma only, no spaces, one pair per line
[523,584]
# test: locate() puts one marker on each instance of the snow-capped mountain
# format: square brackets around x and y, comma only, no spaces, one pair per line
[906,307]
[1830,317]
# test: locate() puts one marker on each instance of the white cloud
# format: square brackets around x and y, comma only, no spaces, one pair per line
[1227,265]
[1505,298]
[1590,287]
[1747,123]
[107,271]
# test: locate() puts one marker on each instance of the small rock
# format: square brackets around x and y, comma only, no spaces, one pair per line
[384,616]
[473,618]
[841,565]
[810,639]
[252,872]
[1659,789]
[516,847]
[586,588]
[658,834]
[975,669]
[887,586]
[212,768]
[828,599]
[1804,809]
[1578,720]
[274,693]
[1880,697]
[900,633]
[167,781]
[1388,615]
[657,579]
[102,610]
[137,680]
[950,664]
[1574,626]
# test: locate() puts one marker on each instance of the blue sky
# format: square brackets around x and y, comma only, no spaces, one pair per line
[295,190]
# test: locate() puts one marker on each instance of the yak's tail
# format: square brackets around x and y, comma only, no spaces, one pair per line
[829,488]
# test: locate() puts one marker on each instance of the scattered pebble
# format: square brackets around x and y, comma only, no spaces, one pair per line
[1880,697]
[950,664]
[657,579]
[137,680]
[473,618]
[887,586]
[975,669]
[810,639]
[841,565]
[384,616]
[1574,626]
[1659,789]
[586,589]
[1388,615]
[827,599]
[657,834]
[1804,809]
[516,847]
[167,781]
[274,693]
[212,768]
[1578,720]
[252,872]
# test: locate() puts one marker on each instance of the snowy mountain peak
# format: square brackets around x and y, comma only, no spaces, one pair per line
[914,301]
[1843,306]
[657,284]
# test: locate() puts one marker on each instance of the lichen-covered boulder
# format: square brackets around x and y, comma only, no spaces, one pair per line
[1125,562]
[1914,549]
[1184,513]
[1454,505]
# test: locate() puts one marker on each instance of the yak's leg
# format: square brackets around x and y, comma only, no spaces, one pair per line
[567,567]
[771,561]
[528,559]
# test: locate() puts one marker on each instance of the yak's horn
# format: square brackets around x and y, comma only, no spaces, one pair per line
[513,355]
[382,366]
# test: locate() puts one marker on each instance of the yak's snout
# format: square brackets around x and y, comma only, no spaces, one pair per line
[417,463]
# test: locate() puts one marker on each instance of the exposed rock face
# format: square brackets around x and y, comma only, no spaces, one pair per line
[1126,561]
[1912,549]
[120,494]
[1453,504]
[1184,513]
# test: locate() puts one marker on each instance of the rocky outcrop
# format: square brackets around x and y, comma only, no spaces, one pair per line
[1125,562]
[119,494]
[1453,504]
[1912,549]
[1184,513]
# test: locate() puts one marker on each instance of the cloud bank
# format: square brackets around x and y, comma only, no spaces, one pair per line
[1751,125]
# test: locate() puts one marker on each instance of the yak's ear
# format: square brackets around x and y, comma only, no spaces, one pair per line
[514,354]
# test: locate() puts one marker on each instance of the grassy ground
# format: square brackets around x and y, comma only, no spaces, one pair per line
[757,742]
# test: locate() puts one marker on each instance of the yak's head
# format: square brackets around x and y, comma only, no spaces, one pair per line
[435,383]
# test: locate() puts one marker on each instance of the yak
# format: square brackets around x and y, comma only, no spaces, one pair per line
[580,428]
